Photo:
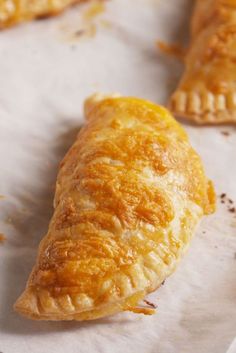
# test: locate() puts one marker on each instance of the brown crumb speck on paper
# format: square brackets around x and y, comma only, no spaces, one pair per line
[89,29]
[232,210]
[225,133]
[152,305]
[86,31]
[224,199]
[2,197]
[174,50]
[79,32]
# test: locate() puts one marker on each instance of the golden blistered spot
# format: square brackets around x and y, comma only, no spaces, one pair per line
[220,44]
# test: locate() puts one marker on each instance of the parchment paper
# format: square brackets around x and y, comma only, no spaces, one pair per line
[46,71]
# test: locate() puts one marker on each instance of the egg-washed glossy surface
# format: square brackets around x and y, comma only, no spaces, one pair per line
[207,90]
[129,194]
[15,11]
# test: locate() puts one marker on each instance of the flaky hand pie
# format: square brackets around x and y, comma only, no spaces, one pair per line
[15,11]
[207,91]
[129,194]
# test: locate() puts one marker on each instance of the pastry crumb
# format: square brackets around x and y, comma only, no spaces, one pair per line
[95,9]
[174,50]
[2,197]
[2,238]
[141,310]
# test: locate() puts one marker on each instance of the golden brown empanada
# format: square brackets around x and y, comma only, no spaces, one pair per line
[15,11]
[207,90]
[129,194]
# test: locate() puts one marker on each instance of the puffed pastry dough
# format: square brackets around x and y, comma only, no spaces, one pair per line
[207,90]
[129,194]
[15,11]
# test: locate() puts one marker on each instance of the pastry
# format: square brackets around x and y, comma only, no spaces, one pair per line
[129,194]
[15,11]
[207,91]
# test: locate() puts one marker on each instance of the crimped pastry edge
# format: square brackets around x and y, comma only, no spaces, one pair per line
[127,304]
[204,108]
[31,306]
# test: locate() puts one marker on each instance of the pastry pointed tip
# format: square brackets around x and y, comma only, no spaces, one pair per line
[27,304]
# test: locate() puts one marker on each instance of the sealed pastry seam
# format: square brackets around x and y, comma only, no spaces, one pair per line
[129,195]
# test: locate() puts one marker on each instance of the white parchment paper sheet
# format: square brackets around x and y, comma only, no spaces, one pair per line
[44,78]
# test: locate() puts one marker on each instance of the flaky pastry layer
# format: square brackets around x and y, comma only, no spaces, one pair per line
[129,194]
[13,12]
[207,91]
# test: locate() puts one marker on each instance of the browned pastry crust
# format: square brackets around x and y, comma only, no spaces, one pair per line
[129,194]
[207,91]
[13,12]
